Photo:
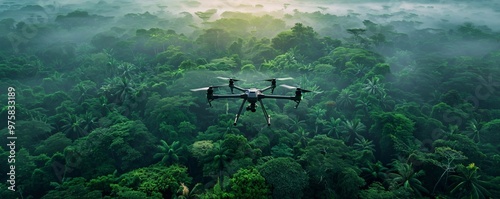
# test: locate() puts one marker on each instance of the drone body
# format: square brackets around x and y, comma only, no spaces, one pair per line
[253,95]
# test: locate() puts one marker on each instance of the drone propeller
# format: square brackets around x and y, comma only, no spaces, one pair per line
[205,88]
[280,79]
[230,79]
[298,89]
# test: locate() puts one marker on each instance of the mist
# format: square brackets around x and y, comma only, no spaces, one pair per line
[113,98]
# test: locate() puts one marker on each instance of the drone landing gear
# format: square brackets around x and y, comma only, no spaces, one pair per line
[239,112]
[298,102]
[268,118]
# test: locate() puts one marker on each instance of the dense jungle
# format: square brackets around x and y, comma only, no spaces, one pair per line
[407,101]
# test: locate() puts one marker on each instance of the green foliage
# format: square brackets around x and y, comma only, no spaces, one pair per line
[282,150]
[19,66]
[123,146]
[303,39]
[326,160]
[286,177]
[392,128]
[153,180]
[404,175]
[217,192]
[169,154]
[467,183]
[55,143]
[491,130]
[103,107]
[249,183]
[377,191]
[71,189]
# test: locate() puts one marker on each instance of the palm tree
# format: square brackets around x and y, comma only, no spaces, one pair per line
[88,122]
[317,113]
[217,161]
[386,102]
[85,89]
[168,153]
[467,183]
[374,87]
[302,137]
[404,175]
[375,172]
[351,129]
[474,128]
[364,144]
[119,90]
[73,126]
[346,98]
[332,127]
[361,70]
[364,104]
[295,123]
[127,69]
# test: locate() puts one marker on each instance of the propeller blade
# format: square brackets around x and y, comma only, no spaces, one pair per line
[227,78]
[297,88]
[304,90]
[204,88]
[280,79]
[289,87]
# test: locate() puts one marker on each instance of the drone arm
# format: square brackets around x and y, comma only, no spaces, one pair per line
[267,88]
[236,87]
[212,97]
[227,96]
[278,97]
[295,98]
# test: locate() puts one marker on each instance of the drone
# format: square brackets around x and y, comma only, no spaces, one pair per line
[254,95]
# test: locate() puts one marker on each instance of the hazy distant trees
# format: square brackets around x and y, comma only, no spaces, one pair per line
[103,107]
[303,39]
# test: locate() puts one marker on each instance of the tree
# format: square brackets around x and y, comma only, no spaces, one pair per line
[169,154]
[119,90]
[374,87]
[364,144]
[346,98]
[295,123]
[217,192]
[332,127]
[153,180]
[375,172]
[71,188]
[404,175]
[491,130]
[73,126]
[467,183]
[205,16]
[450,155]
[351,130]
[330,165]
[281,150]
[303,38]
[123,146]
[286,176]
[317,113]
[394,129]
[214,42]
[54,143]
[249,184]
[475,129]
